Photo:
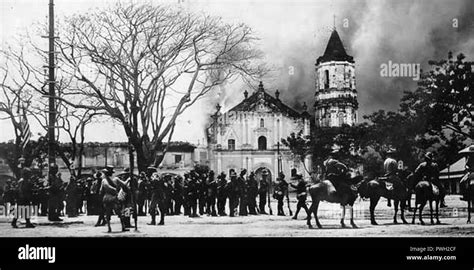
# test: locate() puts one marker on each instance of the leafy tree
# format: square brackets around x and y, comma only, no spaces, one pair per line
[350,141]
[299,145]
[444,98]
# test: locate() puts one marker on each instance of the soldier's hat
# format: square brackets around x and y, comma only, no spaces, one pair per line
[108,169]
[233,173]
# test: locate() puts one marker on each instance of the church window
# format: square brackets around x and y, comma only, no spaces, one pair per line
[262,143]
[341,118]
[262,123]
[326,79]
[350,79]
[231,144]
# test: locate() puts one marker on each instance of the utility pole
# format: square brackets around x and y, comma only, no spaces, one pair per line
[52,85]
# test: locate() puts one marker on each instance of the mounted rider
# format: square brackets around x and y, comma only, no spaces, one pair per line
[390,168]
[336,172]
[428,171]
[469,176]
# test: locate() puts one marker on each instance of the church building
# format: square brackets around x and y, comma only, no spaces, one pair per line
[249,135]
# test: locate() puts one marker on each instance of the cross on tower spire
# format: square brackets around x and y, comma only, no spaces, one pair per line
[334,22]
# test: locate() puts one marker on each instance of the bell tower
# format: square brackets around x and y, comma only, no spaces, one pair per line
[336,95]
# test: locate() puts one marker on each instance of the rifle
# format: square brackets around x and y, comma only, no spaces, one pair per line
[269,202]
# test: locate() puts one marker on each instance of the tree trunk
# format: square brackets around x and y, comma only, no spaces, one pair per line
[142,161]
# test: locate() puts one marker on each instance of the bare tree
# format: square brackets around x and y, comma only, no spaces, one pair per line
[14,99]
[145,65]
[25,81]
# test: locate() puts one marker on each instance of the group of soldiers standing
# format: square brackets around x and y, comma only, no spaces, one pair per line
[197,192]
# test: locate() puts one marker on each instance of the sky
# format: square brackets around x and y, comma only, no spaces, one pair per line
[293,34]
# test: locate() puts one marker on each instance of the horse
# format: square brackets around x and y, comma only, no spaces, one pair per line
[424,192]
[467,189]
[374,189]
[470,201]
[325,191]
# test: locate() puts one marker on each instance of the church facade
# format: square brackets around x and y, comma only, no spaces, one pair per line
[249,135]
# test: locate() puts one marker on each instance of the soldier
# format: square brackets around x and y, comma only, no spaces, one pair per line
[192,193]
[71,198]
[141,193]
[10,194]
[252,194]
[336,172]
[429,171]
[262,192]
[233,191]
[81,195]
[221,194]
[390,167]
[211,195]
[111,189]
[55,193]
[88,196]
[243,193]
[25,194]
[469,176]
[178,194]
[157,189]
[186,203]
[169,194]
[98,199]
[280,190]
[300,195]
[202,192]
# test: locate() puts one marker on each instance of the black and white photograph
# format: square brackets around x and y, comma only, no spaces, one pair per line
[207,120]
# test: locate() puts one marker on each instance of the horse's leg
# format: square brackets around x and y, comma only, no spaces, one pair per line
[352,217]
[420,212]
[373,204]
[315,211]
[342,216]
[431,211]
[395,206]
[402,210]
[437,212]
[308,218]
[469,203]
[409,201]
[414,214]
